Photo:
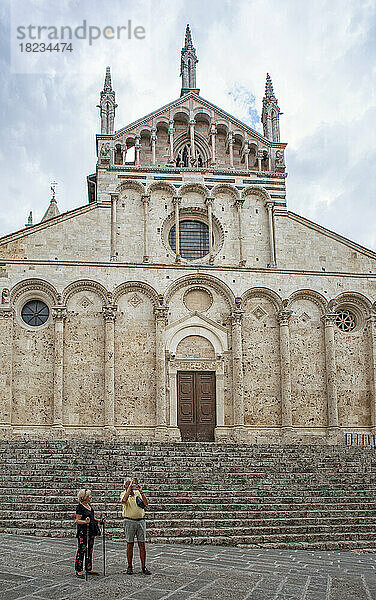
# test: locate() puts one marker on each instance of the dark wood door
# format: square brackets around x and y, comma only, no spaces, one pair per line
[196,405]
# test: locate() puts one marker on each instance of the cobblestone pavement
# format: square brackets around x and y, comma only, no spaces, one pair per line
[42,568]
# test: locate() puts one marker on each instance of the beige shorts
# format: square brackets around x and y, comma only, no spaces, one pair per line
[134,528]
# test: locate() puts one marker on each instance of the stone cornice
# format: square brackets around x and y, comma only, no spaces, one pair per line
[187,267]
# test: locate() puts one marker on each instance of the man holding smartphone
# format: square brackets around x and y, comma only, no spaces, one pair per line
[134,502]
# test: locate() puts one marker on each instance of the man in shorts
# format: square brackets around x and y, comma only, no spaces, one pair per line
[133,502]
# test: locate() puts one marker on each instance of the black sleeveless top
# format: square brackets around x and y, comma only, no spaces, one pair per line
[84,512]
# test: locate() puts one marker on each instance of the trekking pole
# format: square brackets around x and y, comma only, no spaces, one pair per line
[86,550]
[104,544]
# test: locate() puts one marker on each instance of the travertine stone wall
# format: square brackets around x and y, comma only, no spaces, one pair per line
[32,369]
[353,377]
[83,360]
[262,395]
[195,346]
[135,360]
[309,405]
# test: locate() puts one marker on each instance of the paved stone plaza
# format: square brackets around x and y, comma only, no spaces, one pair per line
[42,568]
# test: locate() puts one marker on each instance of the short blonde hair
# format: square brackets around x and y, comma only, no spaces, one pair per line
[82,494]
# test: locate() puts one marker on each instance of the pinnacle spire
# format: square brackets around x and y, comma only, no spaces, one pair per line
[107,81]
[188,38]
[52,211]
[270,112]
[188,65]
[269,92]
[107,105]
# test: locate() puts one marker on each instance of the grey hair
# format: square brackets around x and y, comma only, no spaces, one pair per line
[83,493]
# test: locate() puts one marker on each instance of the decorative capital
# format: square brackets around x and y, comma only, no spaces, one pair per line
[6,312]
[239,203]
[176,200]
[114,197]
[109,312]
[59,312]
[283,317]
[145,198]
[238,302]
[260,154]
[161,313]
[269,205]
[209,201]
[237,316]
[329,319]
[192,122]
[213,129]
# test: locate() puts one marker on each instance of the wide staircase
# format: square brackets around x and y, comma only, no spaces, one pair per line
[203,493]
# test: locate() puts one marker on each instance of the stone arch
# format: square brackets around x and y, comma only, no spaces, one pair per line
[162,185]
[256,189]
[225,187]
[355,298]
[194,187]
[196,326]
[85,284]
[180,113]
[272,296]
[208,280]
[200,143]
[29,285]
[129,184]
[311,295]
[136,286]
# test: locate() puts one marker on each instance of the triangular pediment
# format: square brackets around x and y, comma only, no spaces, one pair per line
[213,112]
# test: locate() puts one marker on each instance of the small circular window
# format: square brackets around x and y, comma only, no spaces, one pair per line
[346,320]
[35,312]
[193,239]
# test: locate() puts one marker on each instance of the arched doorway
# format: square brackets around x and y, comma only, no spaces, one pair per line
[195,348]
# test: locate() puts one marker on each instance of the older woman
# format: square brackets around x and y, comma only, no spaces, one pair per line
[87,529]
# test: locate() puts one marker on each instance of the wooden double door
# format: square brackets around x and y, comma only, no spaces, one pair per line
[196,405]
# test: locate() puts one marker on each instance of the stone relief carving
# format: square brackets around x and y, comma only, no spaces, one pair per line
[135,300]
[5,296]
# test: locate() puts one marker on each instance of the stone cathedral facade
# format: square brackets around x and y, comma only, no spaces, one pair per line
[184,301]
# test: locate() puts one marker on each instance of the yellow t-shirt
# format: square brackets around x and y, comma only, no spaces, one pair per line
[130,508]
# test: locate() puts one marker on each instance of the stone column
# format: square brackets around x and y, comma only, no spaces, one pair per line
[109,316]
[137,151]
[213,133]
[237,371]
[260,156]
[284,349]
[171,140]
[209,204]
[160,313]
[114,199]
[239,205]
[153,140]
[269,207]
[6,364]
[145,202]
[192,123]
[246,156]
[231,148]
[372,339]
[177,202]
[331,369]
[59,314]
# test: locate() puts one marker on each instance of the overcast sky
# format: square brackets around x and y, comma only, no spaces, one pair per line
[320,55]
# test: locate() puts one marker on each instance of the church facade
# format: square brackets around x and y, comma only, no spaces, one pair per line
[184,301]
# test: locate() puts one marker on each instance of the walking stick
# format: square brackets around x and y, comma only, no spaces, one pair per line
[104,545]
[86,550]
